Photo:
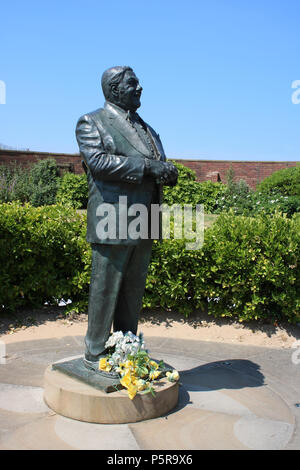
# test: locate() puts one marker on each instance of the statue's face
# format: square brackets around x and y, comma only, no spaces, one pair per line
[129,92]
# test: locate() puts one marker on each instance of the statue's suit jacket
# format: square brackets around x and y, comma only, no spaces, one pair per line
[114,156]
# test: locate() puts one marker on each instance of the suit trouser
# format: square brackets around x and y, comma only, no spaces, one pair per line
[117,286]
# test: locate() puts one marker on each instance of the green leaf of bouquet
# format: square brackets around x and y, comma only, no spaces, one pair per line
[142,371]
[142,353]
[144,392]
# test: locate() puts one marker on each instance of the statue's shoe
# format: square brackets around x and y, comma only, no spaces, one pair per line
[94,366]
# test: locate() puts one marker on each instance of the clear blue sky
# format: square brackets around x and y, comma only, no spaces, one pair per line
[216,74]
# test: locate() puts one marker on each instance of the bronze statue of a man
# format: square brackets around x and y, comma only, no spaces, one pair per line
[123,157]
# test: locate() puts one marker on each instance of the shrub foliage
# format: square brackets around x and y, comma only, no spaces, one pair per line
[15,183]
[44,182]
[36,184]
[248,268]
[73,191]
[285,182]
[190,191]
[43,255]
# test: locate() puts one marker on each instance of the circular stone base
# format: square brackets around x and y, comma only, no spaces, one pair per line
[74,399]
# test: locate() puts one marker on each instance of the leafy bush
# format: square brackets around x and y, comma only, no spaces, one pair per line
[285,182]
[251,267]
[242,200]
[248,268]
[15,183]
[184,172]
[44,256]
[189,191]
[238,188]
[42,186]
[257,203]
[73,191]
[44,182]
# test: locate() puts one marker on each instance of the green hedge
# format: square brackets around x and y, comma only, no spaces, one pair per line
[285,182]
[73,190]
[43,255]
[40,185]
[248,268]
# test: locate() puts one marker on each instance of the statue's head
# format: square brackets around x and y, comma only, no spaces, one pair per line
[121,87]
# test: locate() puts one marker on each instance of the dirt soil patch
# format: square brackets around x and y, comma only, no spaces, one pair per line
[49,322]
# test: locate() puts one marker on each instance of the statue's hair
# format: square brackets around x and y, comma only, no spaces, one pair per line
[113,76]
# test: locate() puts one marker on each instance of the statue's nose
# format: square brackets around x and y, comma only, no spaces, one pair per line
[139,88]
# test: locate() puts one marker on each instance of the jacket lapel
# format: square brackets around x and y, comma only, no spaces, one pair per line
[118,121]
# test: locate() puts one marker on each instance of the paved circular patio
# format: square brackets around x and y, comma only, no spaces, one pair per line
[231,397]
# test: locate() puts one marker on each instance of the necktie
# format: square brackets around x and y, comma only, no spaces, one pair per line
[144,133]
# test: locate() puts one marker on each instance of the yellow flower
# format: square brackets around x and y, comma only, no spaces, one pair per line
[141,385]
[132,389]
[134,379]
[131,383]
[172,376]
[128,364]
[126,380]
[154,374]
[129,371]
[104,365]
[153,364]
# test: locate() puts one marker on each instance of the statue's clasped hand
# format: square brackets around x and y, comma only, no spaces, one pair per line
[171,175]
[163,172]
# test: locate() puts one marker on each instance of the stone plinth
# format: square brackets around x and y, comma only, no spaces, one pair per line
[75,399]
[75,368]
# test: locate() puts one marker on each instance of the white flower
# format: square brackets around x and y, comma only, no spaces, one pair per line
[114,339]
[116,357]
[123,345]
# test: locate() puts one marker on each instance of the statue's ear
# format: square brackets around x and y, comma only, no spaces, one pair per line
[114,90]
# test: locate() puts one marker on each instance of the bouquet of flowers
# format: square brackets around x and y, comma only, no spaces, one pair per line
[127,356]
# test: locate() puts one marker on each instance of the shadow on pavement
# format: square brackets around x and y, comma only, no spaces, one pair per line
[219,375]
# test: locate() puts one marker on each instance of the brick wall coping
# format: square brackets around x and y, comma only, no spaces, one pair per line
[56,154]
[234,161]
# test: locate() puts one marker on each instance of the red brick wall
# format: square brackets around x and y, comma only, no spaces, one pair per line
[70,162]
[251,172]
[213,170]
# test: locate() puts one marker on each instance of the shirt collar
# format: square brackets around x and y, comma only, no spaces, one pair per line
[128,115]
